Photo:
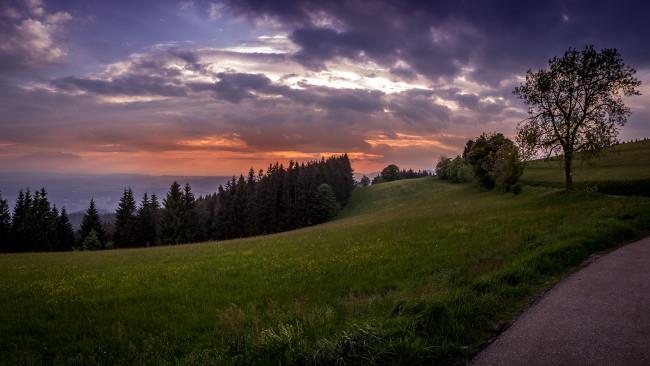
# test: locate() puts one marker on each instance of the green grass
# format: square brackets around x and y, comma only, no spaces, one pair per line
[412,272]
[625,169]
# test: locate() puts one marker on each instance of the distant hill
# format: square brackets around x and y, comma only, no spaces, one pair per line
[75,190]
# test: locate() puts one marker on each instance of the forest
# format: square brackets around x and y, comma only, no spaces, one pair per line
[263,202]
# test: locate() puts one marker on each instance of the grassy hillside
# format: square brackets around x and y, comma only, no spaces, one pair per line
[411,272]
[625,169]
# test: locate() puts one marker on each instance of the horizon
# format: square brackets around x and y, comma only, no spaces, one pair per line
[211,88]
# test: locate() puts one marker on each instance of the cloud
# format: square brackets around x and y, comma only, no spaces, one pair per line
[444,38]
[29,37]
[214,11]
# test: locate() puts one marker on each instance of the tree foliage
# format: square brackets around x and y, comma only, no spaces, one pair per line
[325,204]
[125,228]
[491,159]
[576,104]
[92,223]
[390,173]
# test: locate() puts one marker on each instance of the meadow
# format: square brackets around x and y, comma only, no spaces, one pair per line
[411,272]
[624,169]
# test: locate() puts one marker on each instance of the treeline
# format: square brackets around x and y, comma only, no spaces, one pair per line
[35,225]
[278,200]
[391,173]
[261,203]
[492,160]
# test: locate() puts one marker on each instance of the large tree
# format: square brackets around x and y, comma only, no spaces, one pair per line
[65,232]
[126,231]
[173,216]
[5,225]
[92,223]
[576,104]
[390,173]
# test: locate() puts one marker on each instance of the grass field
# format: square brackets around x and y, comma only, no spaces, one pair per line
[625,169]
[412,271]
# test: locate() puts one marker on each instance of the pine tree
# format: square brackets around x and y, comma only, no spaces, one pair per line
[191,229]
[325,204]
[21,233]
[125,235]
[42,223]
[65,232]
[91,241]
[92,222]
[5,226]
[365,181]
[171,223]
[146,221]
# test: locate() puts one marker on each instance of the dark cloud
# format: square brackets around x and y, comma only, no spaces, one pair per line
[439,38]
[130,85]
[234,87]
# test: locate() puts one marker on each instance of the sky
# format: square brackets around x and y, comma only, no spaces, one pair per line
[215,87]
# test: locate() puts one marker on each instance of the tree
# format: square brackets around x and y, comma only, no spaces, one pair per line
[576,105]
[365,181]
[92,223]
[147,221]
[481,155]
[171,223]
[91,241]
[390,173]
[21,233]
[126,231]
[442,168]
[325,204]
[507,167]
[5,226]
[65,232]
[190,225]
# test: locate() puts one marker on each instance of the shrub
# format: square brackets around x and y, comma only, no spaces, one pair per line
[91,242]
[507,167]
[481,155]
[390,173]
[442,168]
[325,204]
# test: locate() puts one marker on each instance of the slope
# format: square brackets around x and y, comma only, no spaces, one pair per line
[412,271]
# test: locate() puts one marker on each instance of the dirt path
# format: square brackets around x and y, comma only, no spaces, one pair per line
[600,315]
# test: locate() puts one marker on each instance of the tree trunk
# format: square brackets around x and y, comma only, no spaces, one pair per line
[568,170]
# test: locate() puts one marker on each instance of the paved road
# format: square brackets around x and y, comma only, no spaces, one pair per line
[598,316]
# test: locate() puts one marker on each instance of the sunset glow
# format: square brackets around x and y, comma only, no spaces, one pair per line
[217,87]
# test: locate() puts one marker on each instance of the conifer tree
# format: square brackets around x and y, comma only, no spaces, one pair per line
[21,234]
[42,223]
[92,222]
[65,232]
[5,226]
[125,235]
[147,225]
[325,204]
[171,223]
[190,229]
[91,241]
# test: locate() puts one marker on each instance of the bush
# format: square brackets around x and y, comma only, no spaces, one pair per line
[442,168]
[459,172]
[481,155]
[325,204]
[390,173]
[507,167]
[91,242]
